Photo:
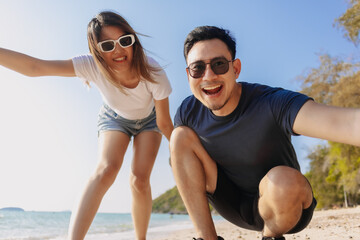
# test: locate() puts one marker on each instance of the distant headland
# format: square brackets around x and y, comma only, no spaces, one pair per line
[14,209]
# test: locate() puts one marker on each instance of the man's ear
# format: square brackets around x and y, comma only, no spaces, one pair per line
[237,67]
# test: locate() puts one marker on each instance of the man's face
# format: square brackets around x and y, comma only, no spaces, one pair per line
[220,93]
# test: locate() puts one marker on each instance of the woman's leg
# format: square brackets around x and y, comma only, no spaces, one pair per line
[112,148]
[146,146]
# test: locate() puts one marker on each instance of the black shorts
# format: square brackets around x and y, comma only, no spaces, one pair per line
[242,210]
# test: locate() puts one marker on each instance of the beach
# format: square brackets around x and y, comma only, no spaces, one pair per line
[339,224]
[334,224]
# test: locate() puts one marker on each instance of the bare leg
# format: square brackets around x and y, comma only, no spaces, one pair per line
[146,146]
[284,193]
[112,147]
[195,174]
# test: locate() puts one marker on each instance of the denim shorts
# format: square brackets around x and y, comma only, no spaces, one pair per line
[109,120]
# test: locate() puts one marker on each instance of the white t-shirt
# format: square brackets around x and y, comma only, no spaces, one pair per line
[139,101]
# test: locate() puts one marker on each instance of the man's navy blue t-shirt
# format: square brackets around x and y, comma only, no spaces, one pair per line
[251,140]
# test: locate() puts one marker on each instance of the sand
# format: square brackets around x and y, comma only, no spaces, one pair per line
[336,224]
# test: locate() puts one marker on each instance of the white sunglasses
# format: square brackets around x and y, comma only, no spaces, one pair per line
[124,42]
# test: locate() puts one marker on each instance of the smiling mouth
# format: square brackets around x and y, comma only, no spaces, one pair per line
[212,90]
[120,59]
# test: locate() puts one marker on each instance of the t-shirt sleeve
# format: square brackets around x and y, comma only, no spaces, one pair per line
[285,106]
[185,112]
[178,121]
[162,88]
[85,68]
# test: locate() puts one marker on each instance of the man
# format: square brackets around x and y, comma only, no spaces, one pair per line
[232,143]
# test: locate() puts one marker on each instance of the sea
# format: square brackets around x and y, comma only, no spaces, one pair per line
[29,225]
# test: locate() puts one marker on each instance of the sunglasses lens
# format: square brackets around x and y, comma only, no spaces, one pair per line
[219,66]
[197,69]
[108,46]
[126,41]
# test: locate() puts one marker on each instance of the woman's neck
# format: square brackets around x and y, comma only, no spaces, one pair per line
[128,80]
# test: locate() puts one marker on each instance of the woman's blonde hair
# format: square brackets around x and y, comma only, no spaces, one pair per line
[139,64]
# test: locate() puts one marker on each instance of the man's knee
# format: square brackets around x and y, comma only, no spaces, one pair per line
[284,194]
[179,135]
[284,182]
[286,178]
[182,138]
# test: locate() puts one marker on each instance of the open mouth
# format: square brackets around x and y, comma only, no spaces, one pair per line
[212,90]
[120,59]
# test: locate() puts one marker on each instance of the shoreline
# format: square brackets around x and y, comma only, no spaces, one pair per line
[154,233]
[334,224]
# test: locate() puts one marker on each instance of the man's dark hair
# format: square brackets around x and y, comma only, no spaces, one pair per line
[207,33]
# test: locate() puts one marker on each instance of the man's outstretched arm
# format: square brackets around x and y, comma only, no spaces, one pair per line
[328,122]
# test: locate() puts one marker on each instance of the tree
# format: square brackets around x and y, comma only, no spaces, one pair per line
[327,193]
[336,82]
[344,170]
[350,22]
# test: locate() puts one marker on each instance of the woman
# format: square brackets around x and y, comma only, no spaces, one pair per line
[135,93]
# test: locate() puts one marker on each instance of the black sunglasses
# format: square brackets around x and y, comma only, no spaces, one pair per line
[219,65]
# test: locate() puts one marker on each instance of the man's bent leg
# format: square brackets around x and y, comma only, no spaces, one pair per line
[284,193]
[195,174]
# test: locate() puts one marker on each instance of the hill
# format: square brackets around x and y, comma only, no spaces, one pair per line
[12,209]
[169,202]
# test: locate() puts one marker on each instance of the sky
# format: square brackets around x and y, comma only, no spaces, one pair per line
[48,125]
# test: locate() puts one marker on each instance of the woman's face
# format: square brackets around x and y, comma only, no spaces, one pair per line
[120,59]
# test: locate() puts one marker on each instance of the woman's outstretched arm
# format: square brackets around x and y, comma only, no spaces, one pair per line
[34,67]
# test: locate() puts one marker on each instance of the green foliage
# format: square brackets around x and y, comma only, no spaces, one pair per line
[169,202]
[350,22]
[345,167]
[327,193]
